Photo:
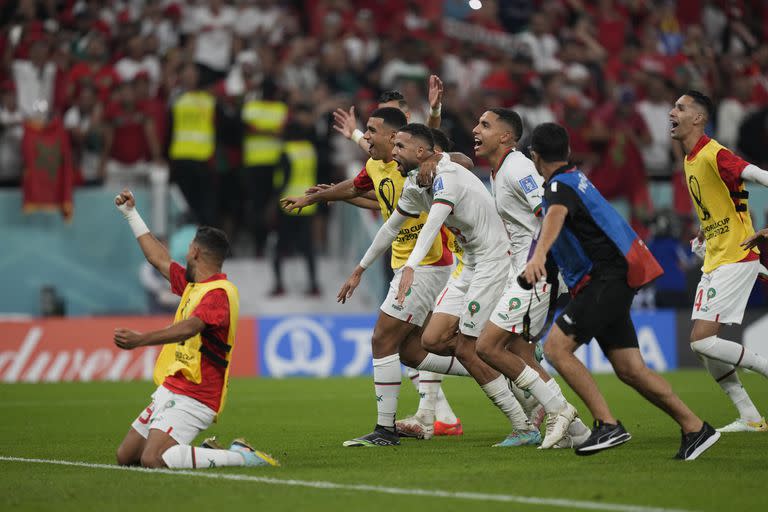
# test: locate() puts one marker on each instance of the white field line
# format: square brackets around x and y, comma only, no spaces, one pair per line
[317,484]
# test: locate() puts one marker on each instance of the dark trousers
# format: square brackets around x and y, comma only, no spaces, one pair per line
[259,202]
[198,184]
[294,234]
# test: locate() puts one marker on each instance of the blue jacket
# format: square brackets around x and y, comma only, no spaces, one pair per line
[570,256]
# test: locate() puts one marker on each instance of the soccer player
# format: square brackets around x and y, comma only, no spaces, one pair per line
[520,313]
[457,198]
[192,369]
[715,178]
[399,324]
[604,263]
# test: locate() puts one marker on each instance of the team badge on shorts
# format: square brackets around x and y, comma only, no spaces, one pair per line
[711,293]
[473,307]
[514,303]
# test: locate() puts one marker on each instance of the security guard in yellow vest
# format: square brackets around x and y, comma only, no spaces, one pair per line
[192,370]
[297,172]
[192,144]
[263,121]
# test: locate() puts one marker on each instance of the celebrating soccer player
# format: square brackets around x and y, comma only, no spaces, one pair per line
[715,178]
[193,366]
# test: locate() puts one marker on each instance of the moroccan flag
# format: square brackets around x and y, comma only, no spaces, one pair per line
[48,172]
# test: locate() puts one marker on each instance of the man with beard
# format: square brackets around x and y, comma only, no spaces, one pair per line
[456,197]
[192,369]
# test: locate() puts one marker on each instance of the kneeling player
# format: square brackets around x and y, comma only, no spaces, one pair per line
[193,367]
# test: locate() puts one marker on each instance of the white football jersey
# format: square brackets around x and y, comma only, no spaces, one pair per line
[474,221]
[518,190]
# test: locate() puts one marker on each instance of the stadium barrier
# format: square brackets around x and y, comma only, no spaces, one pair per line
[81,349]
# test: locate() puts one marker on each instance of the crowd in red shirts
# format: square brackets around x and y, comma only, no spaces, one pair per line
[608,70]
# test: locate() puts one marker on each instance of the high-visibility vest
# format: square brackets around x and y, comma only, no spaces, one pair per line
[302,158]
[193,126]
[267,119]
[185,357]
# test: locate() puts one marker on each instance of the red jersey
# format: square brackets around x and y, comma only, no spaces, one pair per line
[214,311]
[130,140]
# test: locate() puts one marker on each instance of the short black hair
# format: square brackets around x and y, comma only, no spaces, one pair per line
[702,100]
[392,116]
[550,142]
[420,131]
[214,242]
[512,118]
[442,140]
[397,96]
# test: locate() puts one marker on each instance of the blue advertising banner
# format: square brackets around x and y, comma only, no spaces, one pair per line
[656,335]
[315,345]
[340,345]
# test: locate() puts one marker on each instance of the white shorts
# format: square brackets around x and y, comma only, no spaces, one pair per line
[179,416]
[427,283]
[516,302]
[722,294]
[473,294]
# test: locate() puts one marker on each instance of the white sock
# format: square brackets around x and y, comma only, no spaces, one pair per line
[413,375]
[526,399]
[429,385]
[531,381]
[499,393]
[731,353]
[447,365]
[443,411]
[386,380]
[183,456]
[577,428]
[725,375]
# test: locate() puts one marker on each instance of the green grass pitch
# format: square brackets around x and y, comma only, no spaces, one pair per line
[303,423]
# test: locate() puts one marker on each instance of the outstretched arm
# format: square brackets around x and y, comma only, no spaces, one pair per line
[178,332]
[381,242]
[755,174]
[155,252]
[339,192]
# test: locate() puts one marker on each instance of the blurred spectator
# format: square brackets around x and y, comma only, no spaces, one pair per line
[533,112]
[94,69]
[137,61]
[34,78]
[192,145]
[263,116]
[11,131]
[212,24]
[405,64]
[542,45]
[83,122]
[655,112]
[671,248]
[298,171]
[733,109]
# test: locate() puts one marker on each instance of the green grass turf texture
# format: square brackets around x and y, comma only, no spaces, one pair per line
[304,421]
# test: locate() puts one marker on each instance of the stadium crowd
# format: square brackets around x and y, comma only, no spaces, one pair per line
[209,95]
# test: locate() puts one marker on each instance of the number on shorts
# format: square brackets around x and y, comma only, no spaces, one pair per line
[145,419]
[699,298]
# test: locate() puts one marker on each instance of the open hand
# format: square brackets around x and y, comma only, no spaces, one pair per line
[349,286]
[755,239]
[406,280]
[345,122]
[294,202]
[435,95]
[318,188]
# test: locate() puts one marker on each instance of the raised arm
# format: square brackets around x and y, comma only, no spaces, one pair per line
[435,101]
[155,252]
[345,123]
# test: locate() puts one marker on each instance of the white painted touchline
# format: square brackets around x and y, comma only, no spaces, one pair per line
[317,484]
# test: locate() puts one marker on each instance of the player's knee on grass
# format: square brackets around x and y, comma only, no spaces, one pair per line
[126,457]
[152,459]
